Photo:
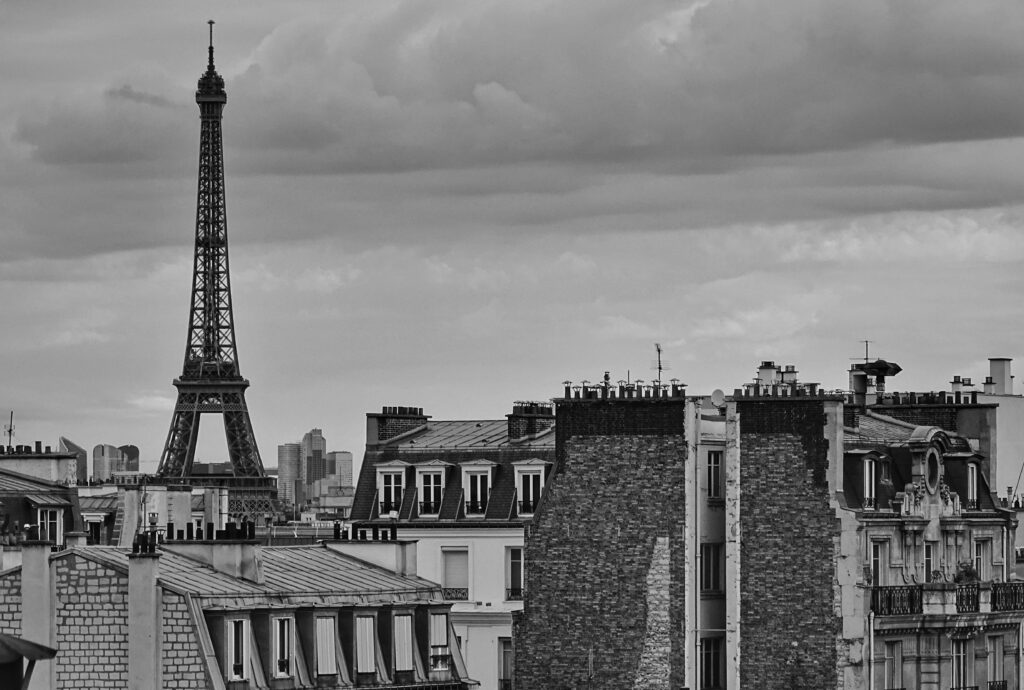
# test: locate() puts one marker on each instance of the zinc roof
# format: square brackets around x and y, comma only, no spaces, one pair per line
[98,504]
[483,433]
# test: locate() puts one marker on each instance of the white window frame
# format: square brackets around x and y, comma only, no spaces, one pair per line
[870,476]
[439,623]
[879,562]
[893,669]
[711,567]
[996,653]
[469,567]
[510,564]
[43,522]
[929,560]
[962,665]
[232,628]
[534,467]
[983,559]
[972,485]
[713,477]
[366,643]
[326,664]
[472,471]
[386,476]
[422,475]
[712,666]
[276,622]
[403,641]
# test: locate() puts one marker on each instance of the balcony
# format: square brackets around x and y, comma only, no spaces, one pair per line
[455,593]
[476,507]
[527,507]
[429,507]
[513,594]
[996,685]
[898,600]
[387,506]
[967,598]
[971,504]
[1008,596]
[965,687]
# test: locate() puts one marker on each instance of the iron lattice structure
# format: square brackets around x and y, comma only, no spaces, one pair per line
[211,382]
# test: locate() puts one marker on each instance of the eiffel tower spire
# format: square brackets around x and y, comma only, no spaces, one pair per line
[211,382]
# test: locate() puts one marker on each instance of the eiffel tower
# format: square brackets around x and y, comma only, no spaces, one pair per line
[211,382]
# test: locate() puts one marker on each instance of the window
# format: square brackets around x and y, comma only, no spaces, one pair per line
[282,647]
[929,561]
[365,647]
[933,470]
[712,658]
[711,567]
[530,484]
[714,474]
[95,527]
[514,573]
[869,483]
[983,558]
[894,664]
[237,648]
[972,486]
[456,574]
[506,663]
[403,642]
[326,658]
[995,657]
[439,656]
[51,525]
[961,668]
[431,486]
[879,562]
[477,492]
[390,491]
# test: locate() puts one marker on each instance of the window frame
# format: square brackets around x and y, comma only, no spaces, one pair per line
[57,523]
[276,622]
[972,486]
[893,664]
[386,489]
[983,559]
[996,653]
[471,477]
[365,649]
[712,666]
[929,560]
[870,481]
[410,657]
[235,628]
[510,573]
[423,477]
[713,475]
[440,655]
[879,556]
[529,506]
[445,584]
[325,665]
[961,664]
[712,568]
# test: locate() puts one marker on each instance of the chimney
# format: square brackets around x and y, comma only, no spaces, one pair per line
[767,374]
[232,553]
[144,618]
[999,367]
[789,374]
[956,385]
[397,556]
[529,419]
[989,387]
[38,606]
[392,422]
[75,539]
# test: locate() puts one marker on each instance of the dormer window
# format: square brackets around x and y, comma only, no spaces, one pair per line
[476,486]
[237,648]
[431,488]
[282,647]
[390,483]
[529,484]
[972,486]
[870,476]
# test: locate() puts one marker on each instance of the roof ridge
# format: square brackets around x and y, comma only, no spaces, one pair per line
[891,420]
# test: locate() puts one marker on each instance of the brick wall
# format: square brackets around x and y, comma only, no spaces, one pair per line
[591,563]
[788,548]
[10,603]
[942,416]
[92,625]
[183,665]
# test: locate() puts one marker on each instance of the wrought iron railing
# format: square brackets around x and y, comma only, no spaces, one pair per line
[513,594]
[429,507]
[455,593]
[476,507]
[967,598]
[965,687]
[527,507]
[387,506]
[440,662]
[971,504]
[1008,596]
[996,685]
[897,600]
[870,503]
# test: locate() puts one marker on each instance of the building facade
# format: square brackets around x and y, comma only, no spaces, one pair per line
[464,490]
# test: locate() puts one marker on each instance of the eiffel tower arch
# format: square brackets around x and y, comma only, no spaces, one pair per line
[211,382]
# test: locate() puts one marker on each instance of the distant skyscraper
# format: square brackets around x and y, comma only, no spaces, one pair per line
[107,459]
[314,455]
[289,471]
[339,463]
[131,457]
[82,455]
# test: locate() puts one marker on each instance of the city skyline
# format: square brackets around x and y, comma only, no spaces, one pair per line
[459,206]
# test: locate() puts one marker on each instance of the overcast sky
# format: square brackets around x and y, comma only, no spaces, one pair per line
[456,205]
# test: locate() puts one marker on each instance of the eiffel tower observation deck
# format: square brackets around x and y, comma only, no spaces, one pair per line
[211,382]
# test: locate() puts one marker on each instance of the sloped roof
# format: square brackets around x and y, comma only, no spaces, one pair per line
[472,433]
[878,427]
[98,504]
[16,482]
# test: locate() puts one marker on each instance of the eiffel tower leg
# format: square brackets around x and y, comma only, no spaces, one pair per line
[179,450]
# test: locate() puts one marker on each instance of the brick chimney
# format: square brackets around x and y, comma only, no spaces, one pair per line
[392,422]
[528,419]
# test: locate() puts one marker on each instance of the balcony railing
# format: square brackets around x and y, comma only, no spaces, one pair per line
[870,503]
[965,687]
[455,593]
[996,685]
[971,504]
[387,506]
[967,598]
[527,507]
[440,662]
[513,594]
[898,600]
[1008,596]
[429,507]
[476,507]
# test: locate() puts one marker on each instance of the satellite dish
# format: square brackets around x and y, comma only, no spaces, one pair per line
[717,397]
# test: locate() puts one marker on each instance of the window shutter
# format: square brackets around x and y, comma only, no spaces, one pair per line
[364,645]
[403,643]
[438,630]
[456,569]
[326,662]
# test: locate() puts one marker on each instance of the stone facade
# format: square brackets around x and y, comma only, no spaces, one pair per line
[607,545]
[92,625]
[789,547]
[10,603]
[182,658]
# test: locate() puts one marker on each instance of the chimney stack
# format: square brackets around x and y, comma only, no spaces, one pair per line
[529,419]
[144,618]
[767,374]
[391,422]
[999,367]
[39,607]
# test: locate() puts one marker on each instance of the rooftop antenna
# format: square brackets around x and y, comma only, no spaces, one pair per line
[659,365]
[867,358]
[210,22]
[9,429]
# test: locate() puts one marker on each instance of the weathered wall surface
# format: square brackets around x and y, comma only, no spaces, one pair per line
[592,566]
[788,544]
[92,625]
[10,603]
[182,657]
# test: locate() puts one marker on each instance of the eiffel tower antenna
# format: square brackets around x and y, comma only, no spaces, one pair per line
[211,382]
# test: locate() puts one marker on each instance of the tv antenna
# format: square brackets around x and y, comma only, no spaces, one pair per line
[659,364]
[9,429]
[867,357]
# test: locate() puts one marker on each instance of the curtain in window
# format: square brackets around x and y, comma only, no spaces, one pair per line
[364,645]
[403,643]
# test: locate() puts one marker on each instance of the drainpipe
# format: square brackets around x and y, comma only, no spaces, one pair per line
[871,650]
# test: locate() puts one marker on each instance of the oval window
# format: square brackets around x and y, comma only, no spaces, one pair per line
[933,470]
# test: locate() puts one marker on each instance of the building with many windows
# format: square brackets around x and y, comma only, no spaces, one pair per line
[464,490]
